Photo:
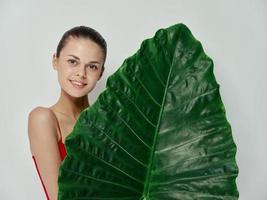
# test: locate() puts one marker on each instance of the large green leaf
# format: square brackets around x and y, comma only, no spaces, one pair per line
[157,132]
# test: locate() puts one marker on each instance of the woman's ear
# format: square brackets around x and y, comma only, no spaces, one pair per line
[54,61]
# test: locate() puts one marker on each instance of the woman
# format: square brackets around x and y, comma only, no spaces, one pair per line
[79,62]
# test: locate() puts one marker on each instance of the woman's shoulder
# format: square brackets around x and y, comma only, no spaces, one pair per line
[41,113]
[41,119]
[40,110]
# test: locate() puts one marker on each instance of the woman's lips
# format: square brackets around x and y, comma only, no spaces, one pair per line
[77,84]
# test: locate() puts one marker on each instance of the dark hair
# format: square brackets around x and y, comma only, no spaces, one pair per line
[84,32]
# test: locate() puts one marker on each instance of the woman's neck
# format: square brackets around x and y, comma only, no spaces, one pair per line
[71,106]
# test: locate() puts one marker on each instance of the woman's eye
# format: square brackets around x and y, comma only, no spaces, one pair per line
[93,66]
[71,61]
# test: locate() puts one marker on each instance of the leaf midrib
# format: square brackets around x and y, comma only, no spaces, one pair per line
[151,160]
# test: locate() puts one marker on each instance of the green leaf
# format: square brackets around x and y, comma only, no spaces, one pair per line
[157,132]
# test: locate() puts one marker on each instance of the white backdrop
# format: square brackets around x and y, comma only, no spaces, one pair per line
[233,34]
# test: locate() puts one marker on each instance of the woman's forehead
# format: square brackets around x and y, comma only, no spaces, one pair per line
[82,47]
[78,41]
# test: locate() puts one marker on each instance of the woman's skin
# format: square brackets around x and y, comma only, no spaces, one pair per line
[81,60]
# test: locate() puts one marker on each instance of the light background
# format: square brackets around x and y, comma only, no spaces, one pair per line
[233,34]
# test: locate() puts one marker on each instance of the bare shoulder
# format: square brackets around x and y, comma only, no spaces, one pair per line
[41,123]
[40,112]
[40,115]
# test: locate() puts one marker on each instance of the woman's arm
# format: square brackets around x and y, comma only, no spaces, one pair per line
[44,147]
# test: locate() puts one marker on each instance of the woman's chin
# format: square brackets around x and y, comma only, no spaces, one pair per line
[75,94]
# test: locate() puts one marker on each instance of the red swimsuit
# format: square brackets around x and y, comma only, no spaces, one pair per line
[63,154]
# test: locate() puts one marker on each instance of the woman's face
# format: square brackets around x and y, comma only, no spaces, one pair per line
[79,66]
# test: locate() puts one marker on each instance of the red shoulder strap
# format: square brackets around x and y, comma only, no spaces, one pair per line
[40,177]
[57,125]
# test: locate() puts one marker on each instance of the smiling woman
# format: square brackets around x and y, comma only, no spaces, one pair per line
[79,62]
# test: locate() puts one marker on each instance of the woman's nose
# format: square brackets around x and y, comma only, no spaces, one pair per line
[82,70]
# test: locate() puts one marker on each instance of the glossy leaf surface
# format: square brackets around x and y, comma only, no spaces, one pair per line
[157,132]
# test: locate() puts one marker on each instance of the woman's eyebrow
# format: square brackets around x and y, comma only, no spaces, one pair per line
[74,56]
[79,59]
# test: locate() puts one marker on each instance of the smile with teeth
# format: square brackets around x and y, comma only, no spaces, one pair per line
[77,84]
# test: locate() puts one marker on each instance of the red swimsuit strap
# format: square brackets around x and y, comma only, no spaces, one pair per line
[46,194]
[61,145]
[58,126]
